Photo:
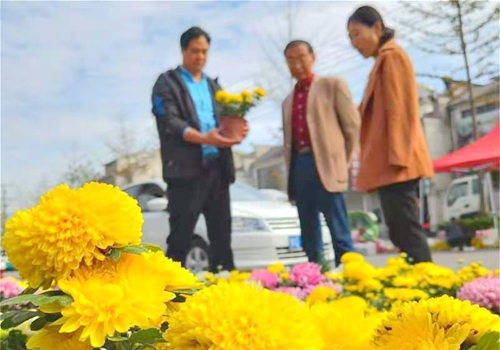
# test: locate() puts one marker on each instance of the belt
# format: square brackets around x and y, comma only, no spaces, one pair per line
[304,150]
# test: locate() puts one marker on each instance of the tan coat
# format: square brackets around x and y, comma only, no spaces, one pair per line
[393,147]
[333,123]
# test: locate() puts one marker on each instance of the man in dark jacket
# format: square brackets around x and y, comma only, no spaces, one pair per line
[197,161]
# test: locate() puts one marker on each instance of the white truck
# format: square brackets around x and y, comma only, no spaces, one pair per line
[463,200]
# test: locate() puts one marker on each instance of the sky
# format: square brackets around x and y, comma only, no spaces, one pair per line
[70,71]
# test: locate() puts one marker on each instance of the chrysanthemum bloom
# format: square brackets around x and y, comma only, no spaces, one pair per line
[49,338]
[306,274]
[297,292]
[266,278]
[276,268]
[483,291]
[405,294]
[344,325]
[244,317]
[438,323]
[113,296]
[321,294]
[351,257]
[9,288]
[431,275]
[70,227]
[239,276]
[473,271]
[261,92]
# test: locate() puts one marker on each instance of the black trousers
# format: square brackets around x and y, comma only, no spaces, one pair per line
[399,204]
[208,195]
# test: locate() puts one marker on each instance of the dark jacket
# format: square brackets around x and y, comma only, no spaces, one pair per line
[174,110]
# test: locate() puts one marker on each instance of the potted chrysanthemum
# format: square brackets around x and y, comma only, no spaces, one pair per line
[234,108]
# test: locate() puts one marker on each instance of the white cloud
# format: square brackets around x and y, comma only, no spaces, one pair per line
[70,68]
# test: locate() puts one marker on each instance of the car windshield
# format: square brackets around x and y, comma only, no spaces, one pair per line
[245,193]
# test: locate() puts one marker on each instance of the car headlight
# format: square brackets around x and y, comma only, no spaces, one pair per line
[244,224]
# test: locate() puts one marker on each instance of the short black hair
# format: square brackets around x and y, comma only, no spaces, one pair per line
[294,43]
[369,16]
[191,34]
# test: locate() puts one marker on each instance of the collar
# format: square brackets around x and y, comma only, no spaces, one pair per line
[189,75]
[304,84]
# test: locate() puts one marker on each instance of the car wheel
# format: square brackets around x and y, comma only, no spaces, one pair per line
[198,256]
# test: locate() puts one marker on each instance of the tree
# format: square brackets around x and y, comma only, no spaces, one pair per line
[460,28]
[79,172]
[130,155]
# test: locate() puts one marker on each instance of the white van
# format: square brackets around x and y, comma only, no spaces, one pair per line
[462,199]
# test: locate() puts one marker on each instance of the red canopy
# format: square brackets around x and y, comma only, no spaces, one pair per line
[483,154]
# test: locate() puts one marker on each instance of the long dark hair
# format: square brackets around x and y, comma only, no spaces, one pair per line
[368,16]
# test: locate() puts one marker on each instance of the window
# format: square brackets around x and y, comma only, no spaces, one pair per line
[457,191]
[487,108]
[466,114]
[475,186]
[243,193]
[133,191]
[148,192]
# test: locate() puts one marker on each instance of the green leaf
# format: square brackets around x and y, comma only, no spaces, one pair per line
[38,324]
[147,337]
[131,249]
[53,317]
[16,340]
[117,338]
[115,254]
[29,291]
[18,318]
[38,300]
[134,249]
[152,247]
[489,341]
[178,299]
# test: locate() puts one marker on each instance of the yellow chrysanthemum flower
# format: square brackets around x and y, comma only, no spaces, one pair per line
[344,325]
[351,257]
[113,296]
[49,338]
[222,97]
[440,323]
[261,92]
[239,276]
[69,227]
[321,294]
[285,276]
[244,317]
[359,270]
[235,98]
[405,282]
[364,286]
[473,271]
[247,96]
[431,275]
[405,294]
[276,268]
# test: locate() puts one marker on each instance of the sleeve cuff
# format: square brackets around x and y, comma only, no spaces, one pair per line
[184,131]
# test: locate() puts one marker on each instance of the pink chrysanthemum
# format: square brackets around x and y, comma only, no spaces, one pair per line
[483,291]
[9,288]
[296,292]
[266,278]
[306,274]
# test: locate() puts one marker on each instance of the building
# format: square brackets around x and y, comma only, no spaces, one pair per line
[487,101]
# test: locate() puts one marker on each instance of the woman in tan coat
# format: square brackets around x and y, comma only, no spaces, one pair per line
[394,154]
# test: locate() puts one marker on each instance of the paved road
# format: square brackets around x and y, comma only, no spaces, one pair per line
[490,258]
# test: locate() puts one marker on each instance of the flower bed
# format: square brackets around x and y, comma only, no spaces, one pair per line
[91,284]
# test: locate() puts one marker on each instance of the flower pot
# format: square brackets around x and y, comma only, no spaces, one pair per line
[233,128]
